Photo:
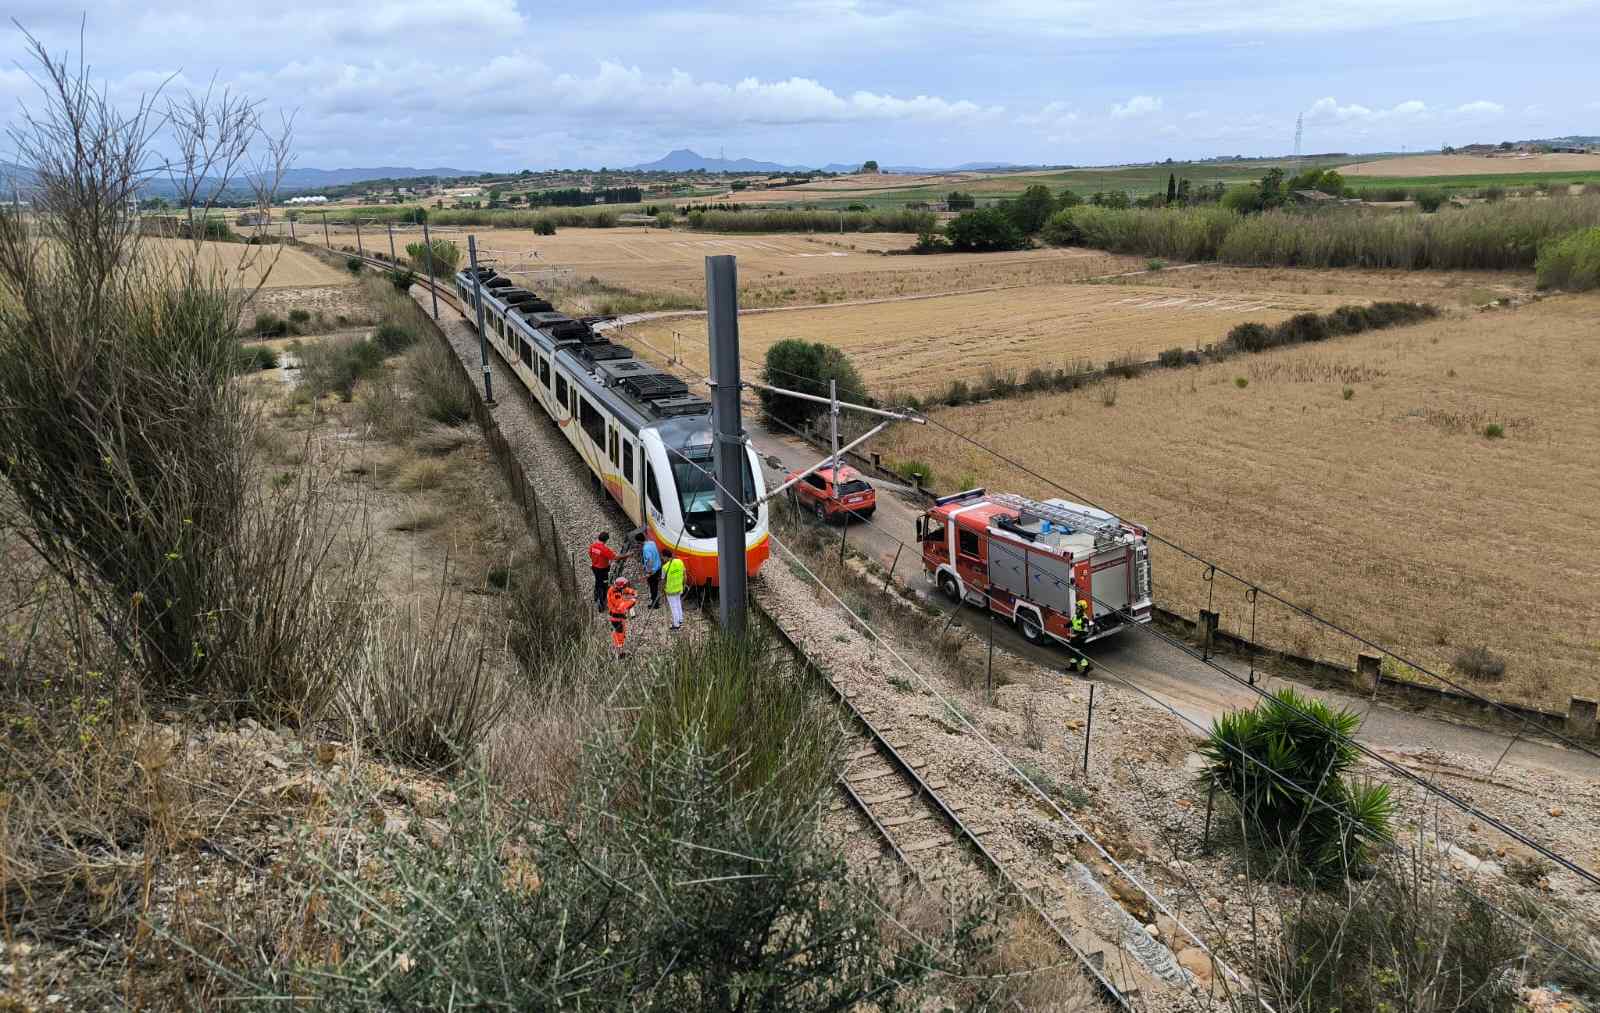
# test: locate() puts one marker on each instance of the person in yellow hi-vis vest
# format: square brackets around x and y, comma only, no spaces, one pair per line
[672,580]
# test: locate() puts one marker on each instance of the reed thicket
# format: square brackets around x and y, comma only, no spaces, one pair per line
[1499,235]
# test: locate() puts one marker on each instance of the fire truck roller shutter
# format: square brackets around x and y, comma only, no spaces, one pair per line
[1111,579]
[1008,567]
[1050,582]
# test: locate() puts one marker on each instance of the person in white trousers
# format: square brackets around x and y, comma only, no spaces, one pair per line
[672,581]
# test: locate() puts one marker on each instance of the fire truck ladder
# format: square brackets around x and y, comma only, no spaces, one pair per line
[1072,520]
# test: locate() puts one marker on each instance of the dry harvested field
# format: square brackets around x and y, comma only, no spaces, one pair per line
[920,345]
[1443,288]
[774,270]
[1471,165]
[244,265]
[1388,510]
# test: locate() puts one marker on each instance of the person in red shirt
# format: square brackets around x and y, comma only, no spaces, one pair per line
[601,556]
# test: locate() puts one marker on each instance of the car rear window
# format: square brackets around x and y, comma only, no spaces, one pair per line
[854,486]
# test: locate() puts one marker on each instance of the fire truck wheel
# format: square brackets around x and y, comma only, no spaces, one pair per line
[1030,629]
[947,584]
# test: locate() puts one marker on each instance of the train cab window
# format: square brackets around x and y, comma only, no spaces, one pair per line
[592,421]
[561,390]
[527,354]
[627,461]
[969,544]
[544,371]
[651,492]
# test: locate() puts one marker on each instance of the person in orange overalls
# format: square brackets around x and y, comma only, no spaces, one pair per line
[620,601]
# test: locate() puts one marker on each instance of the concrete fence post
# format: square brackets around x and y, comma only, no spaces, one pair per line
[877,460]
[1581,717]
[1369,672]
[1208,632]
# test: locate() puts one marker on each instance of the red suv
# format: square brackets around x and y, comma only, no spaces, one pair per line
[822,495]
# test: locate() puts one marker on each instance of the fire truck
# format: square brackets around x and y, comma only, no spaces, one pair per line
[1032,561]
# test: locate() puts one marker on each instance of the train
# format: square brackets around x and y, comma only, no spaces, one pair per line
[644,438]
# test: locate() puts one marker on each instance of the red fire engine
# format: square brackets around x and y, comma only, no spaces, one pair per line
[1032,561]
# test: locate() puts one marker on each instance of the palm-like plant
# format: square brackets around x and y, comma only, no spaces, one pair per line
[1283,763]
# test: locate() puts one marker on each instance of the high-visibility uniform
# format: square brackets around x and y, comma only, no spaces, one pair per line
[1080,626]
[672,576]
[619,602]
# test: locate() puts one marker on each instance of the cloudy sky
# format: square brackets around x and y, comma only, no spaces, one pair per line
[501,84]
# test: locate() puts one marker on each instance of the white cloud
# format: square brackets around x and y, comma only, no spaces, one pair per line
[1051,114]
[1329,110]
[1480,108]
[1139,105]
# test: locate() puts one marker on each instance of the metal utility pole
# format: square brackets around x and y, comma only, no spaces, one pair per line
[427,245]
[359,251]
[325,240]
[833,426]
[727,435]
[483,339]
[289,215]
[391,242]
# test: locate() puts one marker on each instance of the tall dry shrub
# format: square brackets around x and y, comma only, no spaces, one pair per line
[123,435]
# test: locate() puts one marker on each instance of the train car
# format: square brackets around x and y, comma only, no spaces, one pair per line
[641,434]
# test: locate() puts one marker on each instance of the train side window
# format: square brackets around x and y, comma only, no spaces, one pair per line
[969,544]
[652,493]
[627,461]
[527,354]
[592,421]
[544,371]
[561,390]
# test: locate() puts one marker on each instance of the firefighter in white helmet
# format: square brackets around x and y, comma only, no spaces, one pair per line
[1080,629]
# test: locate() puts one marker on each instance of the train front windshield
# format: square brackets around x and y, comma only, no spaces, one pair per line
[697,492]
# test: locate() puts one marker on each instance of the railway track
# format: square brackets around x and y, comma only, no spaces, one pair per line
[927,833]
[934,837]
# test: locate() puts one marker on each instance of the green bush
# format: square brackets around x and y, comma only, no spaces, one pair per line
[1172,358]
[1250,337]
[393,338]
[806,367]
[906,469]
[353,265]
[1283,762]
[1420,938]
[269,325]
[930,242]
[1430,200]
[299,318]
[335,366]
[442,392]
[1303,327]
[1494,431]
[254,358]
[546,227]
[402,279]
[985,229]
[446,257]
[1571,262]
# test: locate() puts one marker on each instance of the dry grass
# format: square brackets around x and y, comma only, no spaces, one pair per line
[921,345]
[289,268]
[1387,511]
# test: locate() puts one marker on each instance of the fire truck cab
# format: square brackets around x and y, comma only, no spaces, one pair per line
[1032,561]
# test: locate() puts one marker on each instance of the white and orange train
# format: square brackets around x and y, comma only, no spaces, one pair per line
[643,436]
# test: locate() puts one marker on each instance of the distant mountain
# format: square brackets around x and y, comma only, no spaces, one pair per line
[684,160]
